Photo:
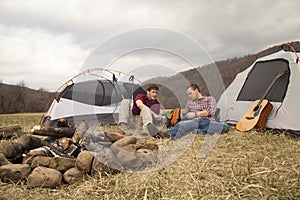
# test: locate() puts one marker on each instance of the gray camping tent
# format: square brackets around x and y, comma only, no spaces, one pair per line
[251,84]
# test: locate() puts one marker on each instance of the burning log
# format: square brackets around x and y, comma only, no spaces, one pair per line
[62,146]
[55,132]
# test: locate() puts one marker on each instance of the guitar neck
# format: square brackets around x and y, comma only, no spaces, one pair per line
[267,91]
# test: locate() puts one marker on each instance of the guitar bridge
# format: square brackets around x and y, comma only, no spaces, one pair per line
[249,118]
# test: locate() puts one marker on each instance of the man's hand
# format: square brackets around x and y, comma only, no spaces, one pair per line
[193,115]
[190,115]
[158,117]
[203,113]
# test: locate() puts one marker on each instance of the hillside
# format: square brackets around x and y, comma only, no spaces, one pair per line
[213,79]
[20,99]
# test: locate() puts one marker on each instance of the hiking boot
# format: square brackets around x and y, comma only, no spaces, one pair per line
[154,132]
[152,129]
[162,135]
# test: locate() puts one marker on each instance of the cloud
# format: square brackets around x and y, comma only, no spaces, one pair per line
[38,58]
[45,42]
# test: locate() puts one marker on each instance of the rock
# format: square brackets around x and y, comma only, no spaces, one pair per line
[32,154]
[129,148]
[95,139]
[105,163]
[114,136]
[143,151]
[44,177]
[62,164]
[3,160]
[29,142]
[84,161]
[131,155]
[80,131]
[28,160]
[59,163]
[149,146]
[41,161]
[14,172]
[72,175]
[97,147]
[135,157]
[124,157]
[123,146]
[12,150]
[125,141]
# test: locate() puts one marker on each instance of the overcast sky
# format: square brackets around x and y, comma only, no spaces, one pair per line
[46,42]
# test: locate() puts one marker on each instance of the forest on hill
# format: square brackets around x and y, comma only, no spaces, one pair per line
[20,99]
[213,79]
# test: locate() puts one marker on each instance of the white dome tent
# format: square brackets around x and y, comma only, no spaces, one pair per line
[250,85]
[93,95]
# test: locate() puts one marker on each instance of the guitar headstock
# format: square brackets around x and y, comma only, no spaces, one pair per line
[281,74]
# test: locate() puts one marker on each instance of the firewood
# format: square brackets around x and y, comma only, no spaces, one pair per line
[11,128]
[10,131]
[55,132]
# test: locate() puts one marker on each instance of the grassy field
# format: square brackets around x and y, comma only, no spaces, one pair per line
[253,165]
[25,120]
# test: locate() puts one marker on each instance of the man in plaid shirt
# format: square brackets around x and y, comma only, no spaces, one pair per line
[199,116]
[199,105]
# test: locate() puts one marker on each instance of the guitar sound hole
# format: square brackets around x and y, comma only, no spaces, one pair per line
[256,108]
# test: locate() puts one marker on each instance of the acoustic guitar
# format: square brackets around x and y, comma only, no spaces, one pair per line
[257,115]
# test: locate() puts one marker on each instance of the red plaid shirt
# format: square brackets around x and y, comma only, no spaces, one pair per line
[205,103]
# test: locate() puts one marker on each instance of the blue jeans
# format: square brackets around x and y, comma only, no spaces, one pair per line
[199,125]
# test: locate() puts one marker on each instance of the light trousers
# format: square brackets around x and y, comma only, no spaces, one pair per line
[126,116]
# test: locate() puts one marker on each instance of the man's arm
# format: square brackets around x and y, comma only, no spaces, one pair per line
[208,111]
[140,104]
[211,106]
[202,113]
[192,115]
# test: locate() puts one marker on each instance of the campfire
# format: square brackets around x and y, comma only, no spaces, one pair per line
[51,156]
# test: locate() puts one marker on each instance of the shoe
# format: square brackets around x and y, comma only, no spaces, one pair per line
[154,132]
[162,135]
[152,129]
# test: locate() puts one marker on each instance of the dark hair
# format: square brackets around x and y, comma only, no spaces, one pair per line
[152,87]
[194,87]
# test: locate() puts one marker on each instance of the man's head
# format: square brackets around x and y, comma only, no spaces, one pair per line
[152,91]
[193,92]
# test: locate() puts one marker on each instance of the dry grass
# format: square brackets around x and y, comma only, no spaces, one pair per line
[25,120]
[254,165]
